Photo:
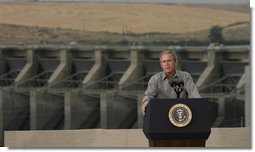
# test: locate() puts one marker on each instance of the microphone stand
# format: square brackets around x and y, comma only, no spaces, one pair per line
[178,90]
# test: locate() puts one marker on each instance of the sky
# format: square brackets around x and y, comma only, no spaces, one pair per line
[158,1]
[181,1]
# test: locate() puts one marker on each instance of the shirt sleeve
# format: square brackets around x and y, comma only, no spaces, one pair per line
[151,91]
[191,88]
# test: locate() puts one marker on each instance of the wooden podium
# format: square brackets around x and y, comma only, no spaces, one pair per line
[178,122]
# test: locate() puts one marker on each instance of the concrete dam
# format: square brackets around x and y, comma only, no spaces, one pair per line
[81,87]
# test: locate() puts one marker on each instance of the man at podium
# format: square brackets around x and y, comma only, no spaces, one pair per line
[169,83]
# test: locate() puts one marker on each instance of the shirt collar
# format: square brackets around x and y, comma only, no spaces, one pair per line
[177,74]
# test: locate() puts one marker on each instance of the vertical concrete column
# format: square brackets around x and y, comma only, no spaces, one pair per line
[96,72]
[1,118]
[103,110]
[221,112]
[46,111]
[212,71]
[118,111]
[248,97]
[111,111]
[63,70]
[139,113]
[29,69]
[134,71]
[33,100]
[67,110]
[2,62]
[81,111]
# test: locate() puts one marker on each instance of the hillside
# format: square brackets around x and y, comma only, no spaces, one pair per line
[108,23]
[118,17]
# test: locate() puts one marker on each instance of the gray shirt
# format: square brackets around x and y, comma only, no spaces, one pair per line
[159,87]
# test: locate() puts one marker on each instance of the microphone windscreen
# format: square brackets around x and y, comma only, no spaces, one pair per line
[172,82]
[180,82]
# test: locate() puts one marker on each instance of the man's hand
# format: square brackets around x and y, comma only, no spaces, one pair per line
[143,109]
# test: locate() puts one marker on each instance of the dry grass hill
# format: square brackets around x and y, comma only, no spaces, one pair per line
[115,17]
[44,20]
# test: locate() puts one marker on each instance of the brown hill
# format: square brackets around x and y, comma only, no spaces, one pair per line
[119,17]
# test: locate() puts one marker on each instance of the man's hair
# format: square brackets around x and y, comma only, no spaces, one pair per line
[168,52]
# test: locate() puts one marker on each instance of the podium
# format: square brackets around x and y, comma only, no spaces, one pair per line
[177,122]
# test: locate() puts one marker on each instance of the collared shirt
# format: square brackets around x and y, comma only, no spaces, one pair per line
[159,87]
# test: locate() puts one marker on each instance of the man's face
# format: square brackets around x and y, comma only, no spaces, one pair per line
[167,63]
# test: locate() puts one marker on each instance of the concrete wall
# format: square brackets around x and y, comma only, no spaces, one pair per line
[46,111]
[39,68]
[219,138]
[14,111]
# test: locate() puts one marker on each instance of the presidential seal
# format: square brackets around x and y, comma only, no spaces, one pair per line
[180,115]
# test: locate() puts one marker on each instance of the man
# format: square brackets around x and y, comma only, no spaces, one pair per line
[159,85]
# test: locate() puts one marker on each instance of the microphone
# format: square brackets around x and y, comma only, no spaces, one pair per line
[178,85]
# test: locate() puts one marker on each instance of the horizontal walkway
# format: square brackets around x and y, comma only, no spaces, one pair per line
[220,137]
